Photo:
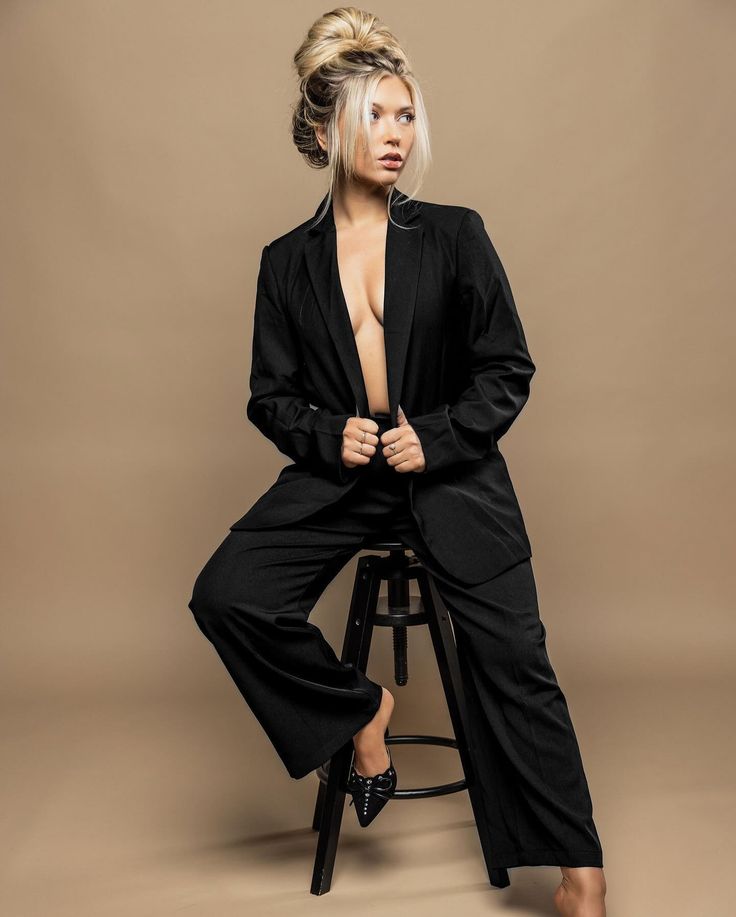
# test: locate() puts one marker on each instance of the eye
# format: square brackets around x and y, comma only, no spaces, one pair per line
[407,114]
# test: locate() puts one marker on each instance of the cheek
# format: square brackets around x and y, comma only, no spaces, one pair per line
[361,157]
[365,163]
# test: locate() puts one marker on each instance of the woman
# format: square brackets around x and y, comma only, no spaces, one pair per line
[380,297]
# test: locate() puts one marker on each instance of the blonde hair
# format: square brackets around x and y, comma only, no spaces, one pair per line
[345,54]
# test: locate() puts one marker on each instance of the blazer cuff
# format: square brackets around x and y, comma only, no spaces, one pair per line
[327,431]
[444,444]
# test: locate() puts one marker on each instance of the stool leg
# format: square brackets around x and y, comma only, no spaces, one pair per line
[318,807]
[443,640]
[331,796]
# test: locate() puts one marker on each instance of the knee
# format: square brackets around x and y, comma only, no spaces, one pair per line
[223,576]
[204,602]
[234,583]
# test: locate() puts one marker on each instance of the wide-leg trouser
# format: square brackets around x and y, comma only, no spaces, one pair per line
[253,599]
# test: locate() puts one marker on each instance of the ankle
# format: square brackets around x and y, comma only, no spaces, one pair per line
[373,732]
[370,765]
[584,880]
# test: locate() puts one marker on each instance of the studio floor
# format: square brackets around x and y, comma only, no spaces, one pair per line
[181,807]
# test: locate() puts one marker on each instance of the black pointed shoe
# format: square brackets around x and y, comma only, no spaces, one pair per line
[370,794]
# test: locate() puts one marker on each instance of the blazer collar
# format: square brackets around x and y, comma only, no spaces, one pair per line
[402,264]
[403,209]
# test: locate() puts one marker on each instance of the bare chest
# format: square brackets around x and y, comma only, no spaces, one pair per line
[361,261]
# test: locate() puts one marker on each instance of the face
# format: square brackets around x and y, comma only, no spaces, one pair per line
[391,135]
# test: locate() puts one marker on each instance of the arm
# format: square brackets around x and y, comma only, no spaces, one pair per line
[499,365]
[310,436]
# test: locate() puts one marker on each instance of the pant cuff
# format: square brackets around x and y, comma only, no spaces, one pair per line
[324,752]
[547,857]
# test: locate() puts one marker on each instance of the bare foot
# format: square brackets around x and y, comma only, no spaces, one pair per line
[581,892]
[371,756]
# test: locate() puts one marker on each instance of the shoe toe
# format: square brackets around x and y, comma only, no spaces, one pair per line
[370,794]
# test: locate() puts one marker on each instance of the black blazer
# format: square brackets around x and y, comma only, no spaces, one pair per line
[456,358]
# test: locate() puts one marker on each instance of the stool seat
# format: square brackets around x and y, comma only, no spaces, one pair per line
[384,542]
[399,611]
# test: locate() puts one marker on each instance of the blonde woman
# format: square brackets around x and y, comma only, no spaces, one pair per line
[388,360]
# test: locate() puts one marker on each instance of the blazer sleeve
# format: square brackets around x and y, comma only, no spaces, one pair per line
[310,436]
[498,363]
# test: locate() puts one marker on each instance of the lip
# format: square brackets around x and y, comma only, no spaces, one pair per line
[393,162]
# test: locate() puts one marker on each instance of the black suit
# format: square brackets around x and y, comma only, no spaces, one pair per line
[456,358]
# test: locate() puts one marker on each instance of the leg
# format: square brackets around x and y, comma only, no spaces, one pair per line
[535,789]
[252,600]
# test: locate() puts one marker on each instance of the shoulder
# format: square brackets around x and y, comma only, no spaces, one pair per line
[446,218]
[285,251]
[458,233]
[289,240]
[442,214]
[463,230]
[452,223]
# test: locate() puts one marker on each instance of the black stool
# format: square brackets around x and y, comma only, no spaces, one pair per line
[398,610]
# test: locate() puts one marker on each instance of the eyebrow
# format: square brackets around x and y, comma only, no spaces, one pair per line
[403,108]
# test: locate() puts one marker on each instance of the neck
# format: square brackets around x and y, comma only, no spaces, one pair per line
[356,204]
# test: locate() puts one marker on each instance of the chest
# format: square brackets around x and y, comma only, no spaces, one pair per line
[361,271]
[410,297]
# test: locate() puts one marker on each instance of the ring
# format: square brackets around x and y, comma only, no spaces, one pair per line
[393,446]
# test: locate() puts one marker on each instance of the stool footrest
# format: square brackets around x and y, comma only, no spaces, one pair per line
[440,789]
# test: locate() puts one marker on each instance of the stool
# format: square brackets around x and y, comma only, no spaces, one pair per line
[398,610]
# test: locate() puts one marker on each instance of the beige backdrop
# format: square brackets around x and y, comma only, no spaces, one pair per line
[146,159]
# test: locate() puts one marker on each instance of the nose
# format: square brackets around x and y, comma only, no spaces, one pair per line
[392,134]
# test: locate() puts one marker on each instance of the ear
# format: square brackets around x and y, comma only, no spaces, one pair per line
[321,136]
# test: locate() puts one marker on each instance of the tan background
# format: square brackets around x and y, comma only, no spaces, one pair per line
[146,159]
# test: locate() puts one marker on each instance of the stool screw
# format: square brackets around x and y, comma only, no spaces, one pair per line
[401,656]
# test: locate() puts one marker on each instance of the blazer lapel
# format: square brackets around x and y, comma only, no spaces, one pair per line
[403,262]
[403,258]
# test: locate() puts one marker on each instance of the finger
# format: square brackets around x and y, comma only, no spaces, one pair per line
[355,458]
[404,461]
[393,453]
[361,437]
[391,436]
[363,423]
[359,452]
[400,463]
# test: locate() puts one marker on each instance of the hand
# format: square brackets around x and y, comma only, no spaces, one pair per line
[402,447]
[359,441]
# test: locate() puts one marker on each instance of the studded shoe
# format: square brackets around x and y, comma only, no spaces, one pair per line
[370,794]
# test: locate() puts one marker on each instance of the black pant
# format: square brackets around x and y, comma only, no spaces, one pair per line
[253,598]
